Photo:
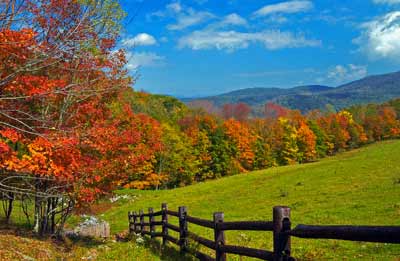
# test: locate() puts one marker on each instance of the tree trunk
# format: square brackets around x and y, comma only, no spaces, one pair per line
[9,207]
[36,222]
[53,215]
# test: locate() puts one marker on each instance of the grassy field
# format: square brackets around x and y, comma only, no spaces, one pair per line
[358,187]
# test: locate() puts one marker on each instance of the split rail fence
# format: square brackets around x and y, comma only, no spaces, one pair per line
[280,226]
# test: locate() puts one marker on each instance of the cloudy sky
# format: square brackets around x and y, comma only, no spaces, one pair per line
[192,48]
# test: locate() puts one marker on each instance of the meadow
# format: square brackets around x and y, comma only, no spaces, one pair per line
[359,187]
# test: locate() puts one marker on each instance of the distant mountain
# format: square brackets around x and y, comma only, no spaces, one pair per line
[377,88]
[257,96]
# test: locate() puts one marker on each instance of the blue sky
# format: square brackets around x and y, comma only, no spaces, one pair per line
[192,48]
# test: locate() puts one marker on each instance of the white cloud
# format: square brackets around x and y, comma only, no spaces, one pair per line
[233,40]
[233,19]
[141,39]
[184,16]
[347,73]
[188,18]
[143,59]
[390,2]
[284,7]
[170,10]
[276,19]
[381,37]
[175,7]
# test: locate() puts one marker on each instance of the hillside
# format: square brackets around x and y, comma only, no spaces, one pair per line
[356,187]
[378,88]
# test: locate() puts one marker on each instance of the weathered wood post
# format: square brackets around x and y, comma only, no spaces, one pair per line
[164,209]
[151,225]
[183,229]
[281,223]
[130,218]
[135,223]
[141,216]
[219,237]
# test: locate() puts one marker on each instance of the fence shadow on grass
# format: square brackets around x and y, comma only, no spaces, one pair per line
[165,253]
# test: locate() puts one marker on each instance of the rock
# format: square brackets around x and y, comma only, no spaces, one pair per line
[92,227]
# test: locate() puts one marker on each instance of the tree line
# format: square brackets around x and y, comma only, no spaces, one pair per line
[212,145]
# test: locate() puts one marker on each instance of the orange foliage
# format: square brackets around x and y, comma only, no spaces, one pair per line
[306,142]
[243,139]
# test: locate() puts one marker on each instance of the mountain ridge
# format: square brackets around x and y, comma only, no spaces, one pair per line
[373,88]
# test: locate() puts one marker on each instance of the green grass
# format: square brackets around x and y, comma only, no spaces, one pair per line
[360,187]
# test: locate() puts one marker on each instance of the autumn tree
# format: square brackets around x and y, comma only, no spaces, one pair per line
[306,142]
[200,142]
[239,111]
[60,56]
[273,110]
[58,72]
[207,106]
[177,161]
[123,150]
[322,144]
[243,140]
[288,152]
[263,144]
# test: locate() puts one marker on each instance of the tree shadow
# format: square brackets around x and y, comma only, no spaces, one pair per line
[81,241]
[166,253]
[17,229]
[15,224]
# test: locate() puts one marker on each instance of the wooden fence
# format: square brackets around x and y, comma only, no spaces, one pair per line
[280,226]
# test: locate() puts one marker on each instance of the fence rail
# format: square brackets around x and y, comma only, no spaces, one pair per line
[280,226]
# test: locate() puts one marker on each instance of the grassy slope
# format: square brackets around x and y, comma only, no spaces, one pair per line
[357,187]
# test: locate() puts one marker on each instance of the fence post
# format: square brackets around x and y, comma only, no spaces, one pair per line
[141,222]
[134,222]
[281,223]
[164,209]
[183,228]
[130,218]
[151,220]
[219,236]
